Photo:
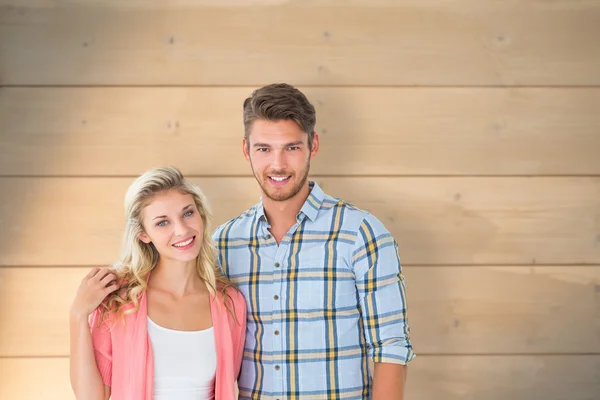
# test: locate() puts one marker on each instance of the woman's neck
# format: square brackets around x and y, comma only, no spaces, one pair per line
[177,278]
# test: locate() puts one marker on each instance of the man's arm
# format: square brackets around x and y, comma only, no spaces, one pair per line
[382,296]
[220,242]
[389,381]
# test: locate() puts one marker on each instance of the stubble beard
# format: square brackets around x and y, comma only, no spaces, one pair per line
[280,195]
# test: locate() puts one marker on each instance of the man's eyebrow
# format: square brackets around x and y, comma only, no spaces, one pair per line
[296,143]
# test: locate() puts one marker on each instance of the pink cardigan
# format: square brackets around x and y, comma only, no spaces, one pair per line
[124,353]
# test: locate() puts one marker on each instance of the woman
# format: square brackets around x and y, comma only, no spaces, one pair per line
[165,324]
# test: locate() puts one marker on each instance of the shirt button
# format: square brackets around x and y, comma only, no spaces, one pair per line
[277,368]
[276,297]
[268,236]
[276,265]
[276,332]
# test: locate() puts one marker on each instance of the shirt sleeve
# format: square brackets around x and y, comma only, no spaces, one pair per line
[382,293]
[241,311]
[102,344]
[220,244]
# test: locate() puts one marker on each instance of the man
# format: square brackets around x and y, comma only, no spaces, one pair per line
[322,279]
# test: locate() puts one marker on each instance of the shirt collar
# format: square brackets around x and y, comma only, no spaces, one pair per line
[310,208]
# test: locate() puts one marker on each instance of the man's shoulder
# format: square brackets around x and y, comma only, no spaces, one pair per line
[351,213]
[354,217]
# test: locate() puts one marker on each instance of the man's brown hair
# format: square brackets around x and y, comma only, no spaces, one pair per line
[280,101]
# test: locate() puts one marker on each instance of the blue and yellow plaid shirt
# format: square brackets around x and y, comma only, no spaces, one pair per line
[330,296]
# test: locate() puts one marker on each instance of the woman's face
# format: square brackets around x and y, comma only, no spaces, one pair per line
[173,224]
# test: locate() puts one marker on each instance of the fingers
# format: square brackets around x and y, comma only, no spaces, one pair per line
[102,274]
[108,278]
[109,289]
[99,272]
[92,273]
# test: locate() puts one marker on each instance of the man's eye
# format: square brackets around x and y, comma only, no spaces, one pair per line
[293,148]
[262,149]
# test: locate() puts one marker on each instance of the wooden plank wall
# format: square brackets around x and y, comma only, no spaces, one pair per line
[471,128]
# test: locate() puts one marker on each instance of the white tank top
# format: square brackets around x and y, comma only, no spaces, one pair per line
[185,363]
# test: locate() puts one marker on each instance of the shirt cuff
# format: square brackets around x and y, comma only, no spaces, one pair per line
[397,351]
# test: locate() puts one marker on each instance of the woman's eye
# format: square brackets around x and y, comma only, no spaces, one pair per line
[161,223]
[189,213]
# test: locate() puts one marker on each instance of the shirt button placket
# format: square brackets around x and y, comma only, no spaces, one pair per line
[277,322]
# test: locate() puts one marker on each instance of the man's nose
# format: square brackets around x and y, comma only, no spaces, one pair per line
[278,162]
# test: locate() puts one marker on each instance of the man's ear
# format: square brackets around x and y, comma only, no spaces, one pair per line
[143,237]
[315,145]
[245,150]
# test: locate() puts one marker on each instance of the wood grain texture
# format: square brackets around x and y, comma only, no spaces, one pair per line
[471,129]
[464,221]
[451,310]
[329,43]
[364,131]
[429,378]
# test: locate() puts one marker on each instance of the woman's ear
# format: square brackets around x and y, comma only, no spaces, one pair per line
[143,237]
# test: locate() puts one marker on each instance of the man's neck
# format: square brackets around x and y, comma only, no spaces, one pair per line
[282,214]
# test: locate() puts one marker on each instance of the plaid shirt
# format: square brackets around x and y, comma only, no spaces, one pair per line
[330,296]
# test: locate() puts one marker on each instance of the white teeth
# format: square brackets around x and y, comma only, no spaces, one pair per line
[184,243]
[278,179]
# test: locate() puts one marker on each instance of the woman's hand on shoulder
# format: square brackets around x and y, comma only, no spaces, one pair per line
[94,287]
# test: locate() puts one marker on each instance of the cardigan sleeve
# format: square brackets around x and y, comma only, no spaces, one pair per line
[102,344]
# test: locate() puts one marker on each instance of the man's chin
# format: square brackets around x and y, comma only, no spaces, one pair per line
[277,195]
[283,193]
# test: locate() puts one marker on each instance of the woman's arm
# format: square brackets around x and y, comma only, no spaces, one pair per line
[85,369]
[86,380]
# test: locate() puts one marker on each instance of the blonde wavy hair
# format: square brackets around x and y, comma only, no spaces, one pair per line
[138,259]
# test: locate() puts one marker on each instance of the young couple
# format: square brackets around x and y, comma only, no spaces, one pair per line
[290,300]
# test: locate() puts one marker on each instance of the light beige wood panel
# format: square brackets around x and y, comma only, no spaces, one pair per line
[383,43]
[35,378]
[364,131]
[504,310]
[504,377]
[79,221]
[573,377]
[452,310]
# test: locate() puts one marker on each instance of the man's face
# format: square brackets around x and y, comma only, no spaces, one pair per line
[279,155]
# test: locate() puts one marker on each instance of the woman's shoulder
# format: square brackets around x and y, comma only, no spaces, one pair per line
[106,318]
[101,319]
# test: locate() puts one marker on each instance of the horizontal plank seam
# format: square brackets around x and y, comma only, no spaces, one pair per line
[441,86]
[411,265]
[527,176]
[586,354]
